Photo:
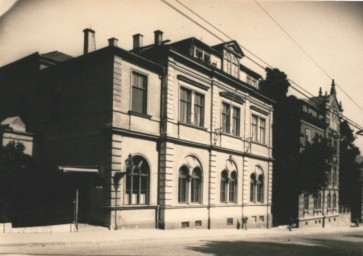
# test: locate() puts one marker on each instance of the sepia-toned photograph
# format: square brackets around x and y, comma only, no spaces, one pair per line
[180,127]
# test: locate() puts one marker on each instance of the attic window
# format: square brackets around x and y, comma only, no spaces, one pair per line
[202,55]
[231,64]
[252,81]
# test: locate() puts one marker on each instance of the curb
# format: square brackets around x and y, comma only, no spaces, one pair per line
[177,236]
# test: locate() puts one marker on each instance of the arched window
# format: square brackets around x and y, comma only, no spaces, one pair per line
[137,181]
[227,62]
[257,186]
[190,181]
[329,201]
[196,185]
[233,187]
[183,184]
[260,189]
[252,187]
[224,186]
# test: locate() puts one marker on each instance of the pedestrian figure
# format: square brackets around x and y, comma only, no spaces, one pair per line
[290,224]
[244,223]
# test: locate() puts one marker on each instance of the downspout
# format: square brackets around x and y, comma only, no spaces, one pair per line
[162,103]
[210,150]
[270,133]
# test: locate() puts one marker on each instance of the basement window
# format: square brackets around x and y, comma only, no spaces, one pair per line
[185,224]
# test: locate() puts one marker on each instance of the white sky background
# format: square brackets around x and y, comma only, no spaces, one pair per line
[331,32]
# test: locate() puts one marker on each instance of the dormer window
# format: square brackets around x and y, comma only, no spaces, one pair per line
[201,55]
[231,64]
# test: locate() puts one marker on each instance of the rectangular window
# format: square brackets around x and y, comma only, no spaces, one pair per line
[199,109]
[306,202]
[232,192]
[262,130]
[185,224]
[182,198]
[236,121]
[229,221]
[307,136]
[262,218]
[185,105]
[224,185]
[226,118]
[258,129]
[198,223]
[254,134]
[139,93]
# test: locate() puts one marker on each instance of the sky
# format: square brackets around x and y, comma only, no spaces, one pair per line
[331,33]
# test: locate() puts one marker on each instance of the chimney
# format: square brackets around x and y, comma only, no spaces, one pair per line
[112,41]
[158,37]
[89,41]
[137,40]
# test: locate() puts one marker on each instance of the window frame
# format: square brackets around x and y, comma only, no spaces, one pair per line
[230,122]
[135,101]
[257,186]
[224,187]
[183,185]
[136,176]
[190,185]
[188,115]
[258,131]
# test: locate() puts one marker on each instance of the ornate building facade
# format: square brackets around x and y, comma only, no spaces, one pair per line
[177,134]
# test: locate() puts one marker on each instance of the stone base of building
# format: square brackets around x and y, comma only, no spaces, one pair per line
[333,220]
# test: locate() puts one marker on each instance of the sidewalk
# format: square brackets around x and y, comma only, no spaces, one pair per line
[136,235]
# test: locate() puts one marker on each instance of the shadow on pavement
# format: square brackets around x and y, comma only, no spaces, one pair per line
[303,247]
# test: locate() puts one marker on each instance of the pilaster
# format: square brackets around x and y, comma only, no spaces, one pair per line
[166,179]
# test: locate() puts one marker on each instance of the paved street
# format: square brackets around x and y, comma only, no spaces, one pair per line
[278,243]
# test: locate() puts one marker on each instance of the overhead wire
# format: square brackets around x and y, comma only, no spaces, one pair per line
[209,31]
[305,52]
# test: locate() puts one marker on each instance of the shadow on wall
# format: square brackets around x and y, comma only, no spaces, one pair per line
[285,246]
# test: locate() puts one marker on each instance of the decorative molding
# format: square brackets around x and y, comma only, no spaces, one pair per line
[192,82]
[233,97]
[259,110]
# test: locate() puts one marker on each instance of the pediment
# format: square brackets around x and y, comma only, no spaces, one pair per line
[234,48]
[233,97]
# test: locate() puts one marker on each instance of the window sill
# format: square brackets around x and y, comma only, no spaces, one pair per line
[193,126]
[259,143]
[139,114]
[231,135]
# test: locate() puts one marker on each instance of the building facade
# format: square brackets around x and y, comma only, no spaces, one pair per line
[299,123]
[321,117]
[178,134]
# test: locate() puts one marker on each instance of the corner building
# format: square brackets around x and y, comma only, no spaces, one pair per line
[178,134]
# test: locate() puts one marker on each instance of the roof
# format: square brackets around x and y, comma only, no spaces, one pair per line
[318,101]
[56,56]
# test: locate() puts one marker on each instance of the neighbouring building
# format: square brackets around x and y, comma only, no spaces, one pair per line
[297,123]
[178,134]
